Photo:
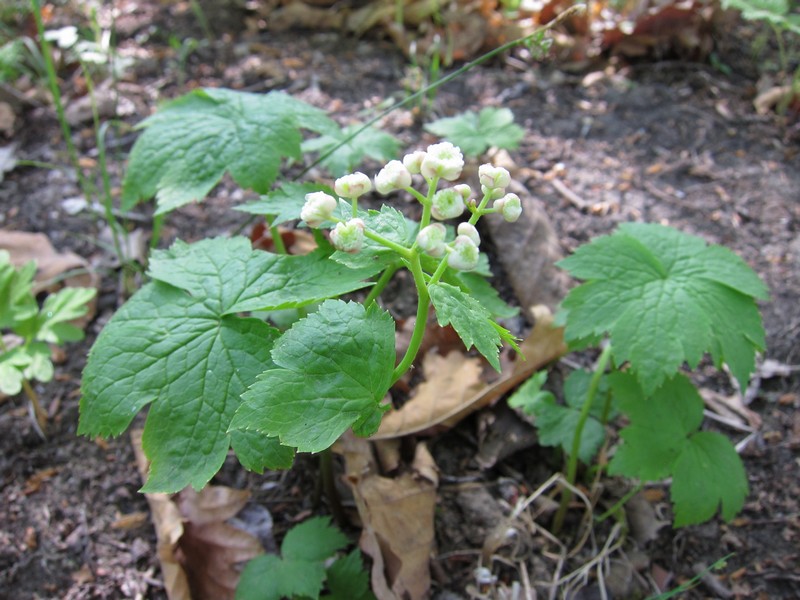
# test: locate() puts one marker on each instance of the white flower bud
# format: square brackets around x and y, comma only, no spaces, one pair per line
[394,176]
[318,208]
[469,230]
[447,204]
[492,193]
[348,237]
[352,186]
[463,190]
[493,177]
[413,161]
[431,239]
[510,206]
[463,254]
[442,160]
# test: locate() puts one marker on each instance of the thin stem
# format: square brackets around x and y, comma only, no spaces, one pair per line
[437,274]
[478,212]
[446,79]
[400,249]
[155,236]
[620,503]
[381,284]
[572,462]
[52,81]
[277,239]
[40,416]
[421,322]
[329,486]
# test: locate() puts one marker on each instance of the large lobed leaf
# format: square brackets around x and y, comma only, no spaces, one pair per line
[191,142]
[665,297]
[663,440]
[332,370]
[180,344]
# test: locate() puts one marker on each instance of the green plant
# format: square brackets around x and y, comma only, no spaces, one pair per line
[475,132]
[301,570]
[655,299]
[25,354]
[218,378]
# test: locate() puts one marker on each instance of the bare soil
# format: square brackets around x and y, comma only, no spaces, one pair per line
[671,141]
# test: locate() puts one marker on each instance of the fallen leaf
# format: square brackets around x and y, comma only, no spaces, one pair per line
[34,482]
[450,382]
[643,520]
[8,157]
[397,517]
[169,529]
[130,521]
[544,344]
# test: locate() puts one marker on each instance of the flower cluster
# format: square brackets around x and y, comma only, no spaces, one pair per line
[440,162]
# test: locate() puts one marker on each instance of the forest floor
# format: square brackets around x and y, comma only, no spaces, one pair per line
[670,141]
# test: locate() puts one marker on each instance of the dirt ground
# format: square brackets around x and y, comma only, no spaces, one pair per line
[665,141]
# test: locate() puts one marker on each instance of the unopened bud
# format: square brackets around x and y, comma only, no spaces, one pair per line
[510,206]
[447,204]
[442,160]
[431,239]
[413,161]
[463,254]
[318,208]
[348,237]
[469,230]
[493,177]
[352,186]
[394,176]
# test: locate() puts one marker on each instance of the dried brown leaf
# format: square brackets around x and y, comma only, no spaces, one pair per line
[544,344]
[397,516]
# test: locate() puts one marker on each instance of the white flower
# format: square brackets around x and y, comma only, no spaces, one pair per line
[442,160]
[510,206]
[348,237]
[318,208]
[463,254]
[447,204]
[431,239]
[493,177]
[352,186]
[394,176]
[469,230]
[413,161]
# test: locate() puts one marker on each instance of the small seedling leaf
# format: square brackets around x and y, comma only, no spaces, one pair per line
[475,132]
[332,371]
[470,319]
[191,142]
[347,579]
[665,297]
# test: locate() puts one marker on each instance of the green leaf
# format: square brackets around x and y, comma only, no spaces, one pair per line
[347,579]
[191,142]
[773,11]
[530,394]
[480,289]
[371,142]
[314,540]
[12,365]
[665,297]
[707,474]
[187,358]
[389,223]
[40,366]
[17,302]
[65,305]
[300,572]
[332,371]
[283,204]
[470,319]
[660,425]
[244,279]
[474,132]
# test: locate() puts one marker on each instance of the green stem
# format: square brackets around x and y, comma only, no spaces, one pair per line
[39,412]
[437,274]
[329,486]
[52,81]
[423,305]
[158,224]
[400,249]
[381,284]
[572,462]
[446,79]
[619,503]
[277,239]
[40,165]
